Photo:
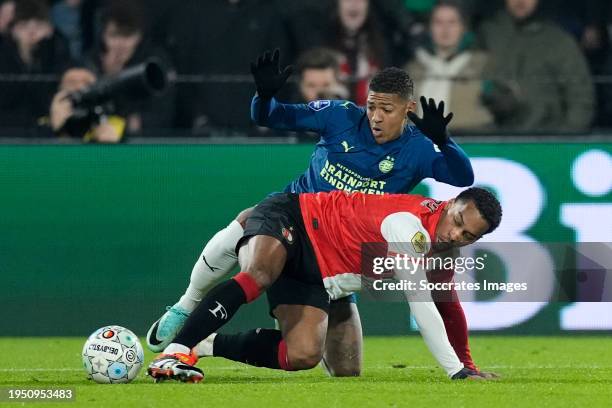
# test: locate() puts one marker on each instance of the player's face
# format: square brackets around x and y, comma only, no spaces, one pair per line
[387,114]
[317,82]
[461,224]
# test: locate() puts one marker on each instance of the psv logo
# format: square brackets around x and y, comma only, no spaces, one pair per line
[387,164]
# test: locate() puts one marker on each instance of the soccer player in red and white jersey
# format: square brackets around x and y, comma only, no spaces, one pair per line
[311,244]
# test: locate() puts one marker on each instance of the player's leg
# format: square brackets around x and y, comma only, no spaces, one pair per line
[216,260]
[304,330]
[262,260]
[300,303]
[301,309]
[343,346]
[298,345]
[306,342]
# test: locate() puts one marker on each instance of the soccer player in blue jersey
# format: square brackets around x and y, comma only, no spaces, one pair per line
[372,150]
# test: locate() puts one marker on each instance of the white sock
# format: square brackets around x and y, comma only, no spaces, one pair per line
[205,348]
[173,348]
[220,254]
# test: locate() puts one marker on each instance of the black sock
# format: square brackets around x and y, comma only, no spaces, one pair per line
[257,347]
[215,310]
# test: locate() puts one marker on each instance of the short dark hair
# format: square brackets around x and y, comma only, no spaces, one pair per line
[128,16]
[393,81]
[318,58]
[488,206]
[31,10]
[457,5]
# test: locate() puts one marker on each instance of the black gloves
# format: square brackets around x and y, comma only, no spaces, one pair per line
[267,74]
[433,124]
[467,373]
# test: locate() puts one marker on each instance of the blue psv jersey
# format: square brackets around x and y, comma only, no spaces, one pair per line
[348,158]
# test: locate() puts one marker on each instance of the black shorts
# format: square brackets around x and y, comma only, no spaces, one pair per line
[300,282]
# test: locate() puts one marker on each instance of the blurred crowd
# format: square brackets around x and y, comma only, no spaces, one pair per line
[513,66]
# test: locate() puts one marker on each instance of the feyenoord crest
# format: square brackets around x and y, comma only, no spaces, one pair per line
[386,165]
[419,242]
[288,234]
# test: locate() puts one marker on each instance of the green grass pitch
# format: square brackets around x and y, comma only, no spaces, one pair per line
[398,371]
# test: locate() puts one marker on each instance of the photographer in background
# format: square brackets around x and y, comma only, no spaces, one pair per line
[123,45]
[319,71]
[64,122]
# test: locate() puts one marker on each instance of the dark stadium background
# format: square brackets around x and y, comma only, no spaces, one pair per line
[94,234]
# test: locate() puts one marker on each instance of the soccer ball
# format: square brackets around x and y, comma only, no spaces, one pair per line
[112,354]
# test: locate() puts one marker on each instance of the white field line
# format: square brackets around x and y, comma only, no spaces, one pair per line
[376,367]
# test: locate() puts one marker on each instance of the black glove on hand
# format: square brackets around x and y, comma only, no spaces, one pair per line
[267,74]
[466,373]
[433,124]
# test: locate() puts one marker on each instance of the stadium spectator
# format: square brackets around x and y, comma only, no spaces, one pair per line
[65,123]
[213,40]
[66,17]
[356,33]
[587,22]
[397,25]
[123,44]
[449,70]
[420,10]
[7,12]
[539,78]
[31,47]
[319,71]
[305,22]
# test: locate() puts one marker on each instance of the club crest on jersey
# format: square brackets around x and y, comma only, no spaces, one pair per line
[386,165]
[419,242]
[319,105]
[288,234]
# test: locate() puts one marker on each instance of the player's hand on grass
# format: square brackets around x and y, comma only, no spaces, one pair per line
[468,374]
[269,78]
[489,375]
[433,123]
